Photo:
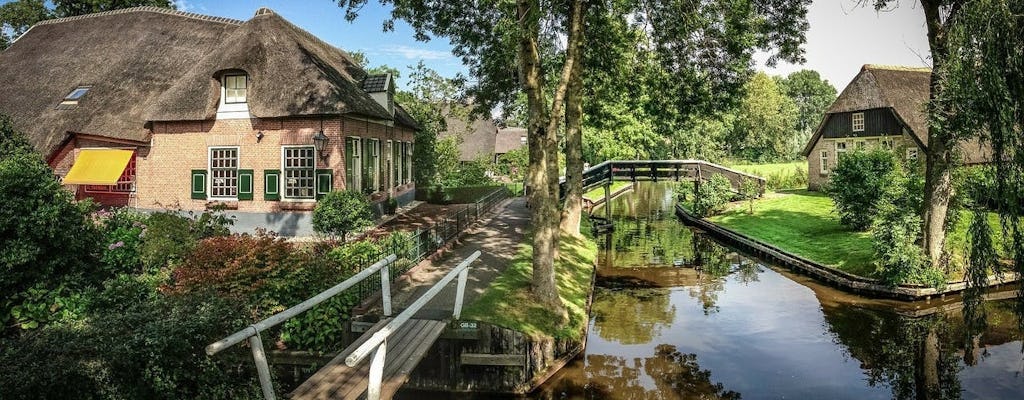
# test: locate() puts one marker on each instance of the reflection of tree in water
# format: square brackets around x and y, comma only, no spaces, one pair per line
[674,375]
[632,316]
[712,261]
[646,231]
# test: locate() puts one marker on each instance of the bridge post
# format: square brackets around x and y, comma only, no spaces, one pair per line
[373,387]
[262,369]
[608,201]
[385,290]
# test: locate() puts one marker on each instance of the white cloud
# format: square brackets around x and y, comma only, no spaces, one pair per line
[413,53]
[186,6]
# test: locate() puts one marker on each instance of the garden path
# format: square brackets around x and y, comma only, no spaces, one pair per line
[497,236]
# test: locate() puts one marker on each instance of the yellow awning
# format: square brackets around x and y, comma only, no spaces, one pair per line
[98,167]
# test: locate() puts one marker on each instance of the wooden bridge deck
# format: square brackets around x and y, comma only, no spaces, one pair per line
[406,348]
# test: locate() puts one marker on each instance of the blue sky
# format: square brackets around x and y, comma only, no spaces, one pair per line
[842,35]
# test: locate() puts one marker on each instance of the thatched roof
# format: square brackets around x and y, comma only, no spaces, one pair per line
[509,139]
[291,72]
[476,137]
[904,89]
[128,57]
[151,64]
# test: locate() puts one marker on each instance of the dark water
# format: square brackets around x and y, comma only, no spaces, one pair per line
[678,316]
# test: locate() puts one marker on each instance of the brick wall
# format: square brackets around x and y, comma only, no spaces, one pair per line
[177,148]
[816,179]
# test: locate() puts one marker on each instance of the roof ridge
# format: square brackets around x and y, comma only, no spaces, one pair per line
[153,9]
[896,68]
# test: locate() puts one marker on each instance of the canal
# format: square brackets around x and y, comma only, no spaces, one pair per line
[677,315]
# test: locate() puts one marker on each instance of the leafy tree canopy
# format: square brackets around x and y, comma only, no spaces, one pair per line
[811,94]
[19,15]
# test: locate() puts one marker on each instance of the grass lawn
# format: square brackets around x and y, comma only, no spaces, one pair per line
[802,222]
[769,169]
[598,194]
[509,303]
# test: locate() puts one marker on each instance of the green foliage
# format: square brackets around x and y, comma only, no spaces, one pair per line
[750,189]
[124,230]
[136,344]
[855,183]
[765,126]
[46,238]
[896,230]
[812,96]
[791,175]
[341,212]
[454,173]
[712,195]
[514,163]
[19,15]
[70,8]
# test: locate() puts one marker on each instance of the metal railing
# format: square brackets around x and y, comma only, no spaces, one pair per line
[377,344]
[252,332]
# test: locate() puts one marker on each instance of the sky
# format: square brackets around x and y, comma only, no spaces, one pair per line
[842,37]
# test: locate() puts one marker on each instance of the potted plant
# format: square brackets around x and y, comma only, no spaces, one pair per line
[390,206]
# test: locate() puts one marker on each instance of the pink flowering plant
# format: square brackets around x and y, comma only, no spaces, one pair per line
[124,231]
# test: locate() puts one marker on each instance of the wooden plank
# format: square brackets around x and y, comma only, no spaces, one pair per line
[508,360]
[406,348]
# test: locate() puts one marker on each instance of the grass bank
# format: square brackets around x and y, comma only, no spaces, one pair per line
[598,194]
[509,303]
[802,222]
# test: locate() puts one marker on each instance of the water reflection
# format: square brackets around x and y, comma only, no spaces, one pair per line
[678,316]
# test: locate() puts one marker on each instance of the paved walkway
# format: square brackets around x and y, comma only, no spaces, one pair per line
[498,237]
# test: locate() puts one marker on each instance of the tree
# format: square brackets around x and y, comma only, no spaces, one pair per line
[940,17]
[431,99]
[341,212]
[765,125]
[516,47]
[70,8]
[812,96]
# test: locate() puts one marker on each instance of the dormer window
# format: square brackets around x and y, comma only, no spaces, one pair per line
[235,87]
[858,122]
[71,100]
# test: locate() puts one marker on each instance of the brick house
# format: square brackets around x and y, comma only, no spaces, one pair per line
[155,108]
[884,106]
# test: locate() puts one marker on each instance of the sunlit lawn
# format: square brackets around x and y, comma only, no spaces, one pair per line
[509,303]
[802,222]
[597,194]
[769,169]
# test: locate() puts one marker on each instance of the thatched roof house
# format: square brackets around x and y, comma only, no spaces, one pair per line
[509,139]
[150,64]
[476,138]
[154,107]
[883,106]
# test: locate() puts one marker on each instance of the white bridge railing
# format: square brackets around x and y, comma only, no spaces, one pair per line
[378,343]
[252,332]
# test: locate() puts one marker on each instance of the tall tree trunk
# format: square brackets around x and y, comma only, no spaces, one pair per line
[544,210]
[573,210]
[938,187]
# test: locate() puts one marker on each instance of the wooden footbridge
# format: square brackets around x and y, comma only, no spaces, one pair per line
[380,361]
[605,173]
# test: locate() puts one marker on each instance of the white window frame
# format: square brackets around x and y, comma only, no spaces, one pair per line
[408,163]
[391,164]
[357,162]
[824,161]
[210,168]
[840,146]
[887,144]
[858,122]
[375,163]
[224,89]
[912,153]
[284,175]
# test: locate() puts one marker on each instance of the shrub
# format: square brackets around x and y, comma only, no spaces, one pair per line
[712,195]
[855,185]
[136,345]
[341,212]
[46,238]
[749,190]
[124,230]
[168,238]
[896,230]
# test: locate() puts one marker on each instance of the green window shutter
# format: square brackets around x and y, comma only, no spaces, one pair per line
[245,184]
[199,184]
[324,182]
[272,184]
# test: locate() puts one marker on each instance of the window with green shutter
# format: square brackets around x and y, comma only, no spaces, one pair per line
[272,184]
[324,182]
[245,184]
[199,184]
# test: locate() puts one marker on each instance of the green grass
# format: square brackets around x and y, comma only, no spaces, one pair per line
[509,303]
[597,194]
[768,169]
[803,223]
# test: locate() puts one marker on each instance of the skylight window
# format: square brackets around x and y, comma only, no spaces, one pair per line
[71,100]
